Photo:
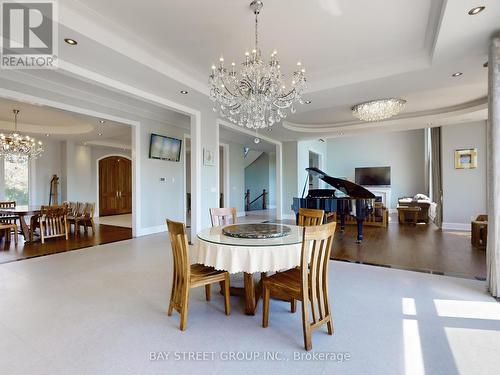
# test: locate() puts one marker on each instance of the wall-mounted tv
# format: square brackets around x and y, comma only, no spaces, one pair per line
[374,176]
[165,148]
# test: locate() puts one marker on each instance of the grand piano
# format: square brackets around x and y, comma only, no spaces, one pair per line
[345,198]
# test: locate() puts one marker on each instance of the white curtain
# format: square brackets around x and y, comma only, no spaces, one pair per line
[493,247]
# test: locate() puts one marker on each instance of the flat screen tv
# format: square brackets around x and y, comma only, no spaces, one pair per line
[164,148]
[373,176]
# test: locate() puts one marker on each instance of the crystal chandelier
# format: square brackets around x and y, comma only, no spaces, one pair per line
[17,148]
[377,110]
[255,97]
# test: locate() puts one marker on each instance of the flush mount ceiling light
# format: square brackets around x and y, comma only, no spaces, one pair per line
[256,97]
[476,10]
[70,41]
[256,140]
[457,74]
[184,92]
[377,110]
[17,148]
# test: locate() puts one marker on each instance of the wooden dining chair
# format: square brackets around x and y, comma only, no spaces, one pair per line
[53,222]
[307,283]
[223,216]
[8,220]
[310,217]
[188,276]
[86,218]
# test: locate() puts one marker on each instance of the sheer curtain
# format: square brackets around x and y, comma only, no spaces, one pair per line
[436,181]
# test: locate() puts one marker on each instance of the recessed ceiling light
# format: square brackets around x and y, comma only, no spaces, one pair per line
[308,102]
[256,140]
[476,10]
[99,134]
[184,92]
[457,74]
[269,129]
[102,121]
[47,135]
[71,42]
[485,65]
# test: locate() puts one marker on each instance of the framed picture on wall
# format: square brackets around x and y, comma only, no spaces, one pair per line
[208,157]
[466,158]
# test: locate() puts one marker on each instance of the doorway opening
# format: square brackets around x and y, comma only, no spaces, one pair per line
[115,190]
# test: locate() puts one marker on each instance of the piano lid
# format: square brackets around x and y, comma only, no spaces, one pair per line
[347,187]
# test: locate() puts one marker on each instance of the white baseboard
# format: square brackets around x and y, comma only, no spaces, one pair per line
[456,226]
[151,230]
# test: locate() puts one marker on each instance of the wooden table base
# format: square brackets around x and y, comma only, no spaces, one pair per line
[251,291]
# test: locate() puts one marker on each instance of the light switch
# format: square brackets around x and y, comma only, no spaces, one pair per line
[163,179]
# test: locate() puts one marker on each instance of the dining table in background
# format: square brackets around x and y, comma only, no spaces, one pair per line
[22,212]
[248,255]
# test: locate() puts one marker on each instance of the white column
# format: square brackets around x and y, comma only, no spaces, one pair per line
[493,249]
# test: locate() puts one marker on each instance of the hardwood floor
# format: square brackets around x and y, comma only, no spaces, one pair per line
[422,248]
[104,234]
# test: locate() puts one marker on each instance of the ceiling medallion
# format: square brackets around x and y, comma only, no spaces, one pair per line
[256,97]
[377,110]
[15,148]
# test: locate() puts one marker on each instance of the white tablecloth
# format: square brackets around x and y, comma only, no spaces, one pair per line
[249,259]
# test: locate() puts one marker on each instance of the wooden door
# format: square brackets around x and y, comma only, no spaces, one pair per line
[125,186]
[115,186]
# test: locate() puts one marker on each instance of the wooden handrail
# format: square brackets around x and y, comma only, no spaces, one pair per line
[248,203]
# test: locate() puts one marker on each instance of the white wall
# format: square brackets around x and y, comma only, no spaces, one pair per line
[49,163]
[464,190]
[160,200]
[303,148]
[289,179]
[272,180]
[403,151]
[236,177]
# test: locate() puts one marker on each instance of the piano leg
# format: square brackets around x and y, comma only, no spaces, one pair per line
[360,230]
[342,223]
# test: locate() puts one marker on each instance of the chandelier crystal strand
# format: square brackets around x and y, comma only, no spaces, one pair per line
[16,148]
[256,97]
[377,110]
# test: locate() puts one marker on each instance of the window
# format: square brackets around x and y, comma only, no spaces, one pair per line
[16,182]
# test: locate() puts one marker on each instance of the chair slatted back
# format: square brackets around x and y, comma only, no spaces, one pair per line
[8,204]
[222,216]
[316,248]
[310,217]
[7,218]
[180,246]
[88,210]
[53,221]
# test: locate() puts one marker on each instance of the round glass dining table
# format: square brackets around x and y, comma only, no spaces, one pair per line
[249,255]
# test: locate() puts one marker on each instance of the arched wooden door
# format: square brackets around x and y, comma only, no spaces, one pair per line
[115,186]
